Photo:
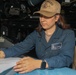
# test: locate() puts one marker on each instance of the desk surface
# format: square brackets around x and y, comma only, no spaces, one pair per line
[60,71]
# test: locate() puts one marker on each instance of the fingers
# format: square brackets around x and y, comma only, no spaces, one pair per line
[2,55]
[23,59]
[24,71]
[25,65]
[20,68]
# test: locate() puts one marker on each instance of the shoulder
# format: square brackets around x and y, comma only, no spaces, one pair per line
[33,34]
[69,34]
[68,31]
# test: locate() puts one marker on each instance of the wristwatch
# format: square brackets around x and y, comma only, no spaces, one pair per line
[43,64]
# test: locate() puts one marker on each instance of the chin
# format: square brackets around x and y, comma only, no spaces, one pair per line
[45,28]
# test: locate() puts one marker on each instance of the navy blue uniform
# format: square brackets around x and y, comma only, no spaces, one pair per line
[58,52]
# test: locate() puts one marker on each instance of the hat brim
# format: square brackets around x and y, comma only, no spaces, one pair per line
[45,13]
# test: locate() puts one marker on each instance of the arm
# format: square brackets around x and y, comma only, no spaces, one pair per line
[65,57]
[22,47]
[28,64]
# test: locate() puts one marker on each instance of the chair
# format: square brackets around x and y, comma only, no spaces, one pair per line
[74,61]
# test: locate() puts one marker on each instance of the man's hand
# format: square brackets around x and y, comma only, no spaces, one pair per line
[27,64]
[2,55]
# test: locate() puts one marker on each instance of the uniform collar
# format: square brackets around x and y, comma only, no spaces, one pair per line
[56,35]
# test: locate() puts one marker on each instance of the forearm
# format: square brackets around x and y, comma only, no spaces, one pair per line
[59,61]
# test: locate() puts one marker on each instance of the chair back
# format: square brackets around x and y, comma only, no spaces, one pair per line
[74,60]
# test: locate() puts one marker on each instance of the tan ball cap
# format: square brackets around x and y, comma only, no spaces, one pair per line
[49,8]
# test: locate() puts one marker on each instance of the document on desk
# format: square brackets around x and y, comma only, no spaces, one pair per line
[8,63]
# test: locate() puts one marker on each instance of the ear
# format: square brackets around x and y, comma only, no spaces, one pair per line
[57,17]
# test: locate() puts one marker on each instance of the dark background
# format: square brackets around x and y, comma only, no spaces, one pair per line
[17,19]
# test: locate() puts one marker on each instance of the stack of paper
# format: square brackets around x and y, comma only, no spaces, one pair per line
[7,63]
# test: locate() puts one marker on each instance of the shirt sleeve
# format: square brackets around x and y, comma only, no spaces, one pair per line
[22,47]
[65,58]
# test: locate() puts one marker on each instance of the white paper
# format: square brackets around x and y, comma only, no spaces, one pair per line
[7,63]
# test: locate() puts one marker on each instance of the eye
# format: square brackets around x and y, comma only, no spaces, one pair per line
[42,16]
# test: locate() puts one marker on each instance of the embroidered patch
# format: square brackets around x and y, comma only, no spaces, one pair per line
[46,5]
[56,46]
